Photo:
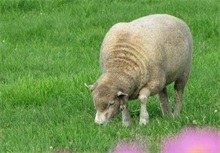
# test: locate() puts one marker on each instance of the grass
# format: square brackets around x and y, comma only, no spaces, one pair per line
[49,49]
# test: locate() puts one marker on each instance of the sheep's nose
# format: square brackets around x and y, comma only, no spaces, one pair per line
[99,123]
[100,119]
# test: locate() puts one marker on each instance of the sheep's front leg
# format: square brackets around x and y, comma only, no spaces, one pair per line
[143,95]
[126,119]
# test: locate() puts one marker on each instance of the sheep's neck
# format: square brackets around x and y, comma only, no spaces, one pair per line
[120,81]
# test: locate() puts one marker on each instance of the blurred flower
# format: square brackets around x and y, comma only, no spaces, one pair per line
[135,146]
[193,140]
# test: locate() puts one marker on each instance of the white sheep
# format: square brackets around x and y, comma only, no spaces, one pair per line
[139,59]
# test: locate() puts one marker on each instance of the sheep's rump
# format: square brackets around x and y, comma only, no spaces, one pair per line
[147,47]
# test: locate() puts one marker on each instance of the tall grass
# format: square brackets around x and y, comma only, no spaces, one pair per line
[48,49]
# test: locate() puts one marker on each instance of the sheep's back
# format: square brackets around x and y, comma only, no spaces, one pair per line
[152,43]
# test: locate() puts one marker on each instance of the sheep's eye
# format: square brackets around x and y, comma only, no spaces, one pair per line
[111,103]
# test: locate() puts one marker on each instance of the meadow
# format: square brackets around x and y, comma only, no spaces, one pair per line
[49,49]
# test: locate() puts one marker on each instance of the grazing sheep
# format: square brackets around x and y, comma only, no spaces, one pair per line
[139,59]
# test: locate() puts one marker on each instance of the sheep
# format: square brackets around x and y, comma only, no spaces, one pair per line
[139,59]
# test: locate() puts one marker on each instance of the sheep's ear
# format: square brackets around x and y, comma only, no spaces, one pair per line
[90,87]
[121,94]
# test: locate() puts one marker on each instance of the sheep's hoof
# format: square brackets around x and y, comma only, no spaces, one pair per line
[170,115]
[126,123]
[143,121]
[176,114]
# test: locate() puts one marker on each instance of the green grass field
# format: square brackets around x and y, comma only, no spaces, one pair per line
[49,49]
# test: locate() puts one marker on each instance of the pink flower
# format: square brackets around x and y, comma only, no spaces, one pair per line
[137,146]
[193,140]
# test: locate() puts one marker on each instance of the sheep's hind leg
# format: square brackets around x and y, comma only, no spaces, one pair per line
[144,116]
[164,103]
[179,91]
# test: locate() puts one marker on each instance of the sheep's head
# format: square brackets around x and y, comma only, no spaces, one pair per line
[108,102]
